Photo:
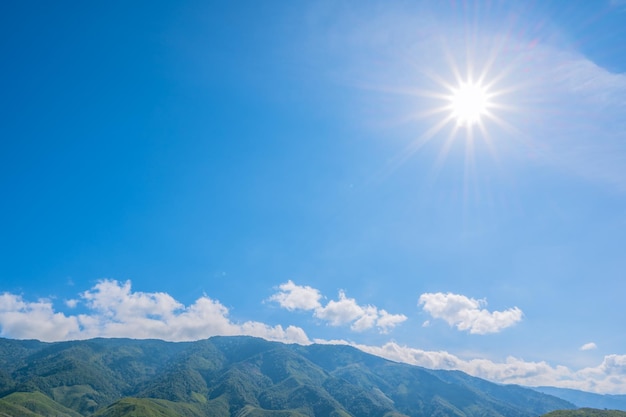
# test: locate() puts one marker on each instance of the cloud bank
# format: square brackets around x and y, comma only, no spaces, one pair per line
[112,309]
[336,312]
[467,313]
[609,377]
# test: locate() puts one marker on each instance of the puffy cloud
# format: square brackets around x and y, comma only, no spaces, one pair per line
[614,365]
[71,303]
[387,321]
[34,320]
[114,310]
[367,319]
[589,346]
[117,301]
[297,297]
[342,311]
[336,312]
[467,313]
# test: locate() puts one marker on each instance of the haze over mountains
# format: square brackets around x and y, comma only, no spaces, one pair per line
[240,376]
[587,399]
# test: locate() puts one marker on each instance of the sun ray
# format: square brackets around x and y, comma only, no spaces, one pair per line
[414,146]
[445,149]
[452,65]
[487,139]
[469,165]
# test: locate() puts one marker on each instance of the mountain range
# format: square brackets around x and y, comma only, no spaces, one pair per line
[240,376]
[587,399]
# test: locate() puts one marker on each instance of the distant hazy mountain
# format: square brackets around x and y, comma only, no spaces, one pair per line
[586,412]
[587,399]
[240,376]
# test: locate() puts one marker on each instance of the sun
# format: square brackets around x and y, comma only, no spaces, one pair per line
[465,104]
[468,103]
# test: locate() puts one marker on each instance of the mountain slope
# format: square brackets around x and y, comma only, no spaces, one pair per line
[34,403]
[244,376]
[141,407]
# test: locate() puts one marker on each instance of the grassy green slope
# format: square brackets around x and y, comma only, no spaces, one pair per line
[143,407]
[12,410]
[35,403]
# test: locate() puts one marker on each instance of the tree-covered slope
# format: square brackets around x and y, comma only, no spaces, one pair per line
[241,376]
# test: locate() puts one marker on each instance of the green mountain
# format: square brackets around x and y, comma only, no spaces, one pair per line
[240,376]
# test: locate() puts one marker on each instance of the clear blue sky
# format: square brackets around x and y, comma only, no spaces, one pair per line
[290,170]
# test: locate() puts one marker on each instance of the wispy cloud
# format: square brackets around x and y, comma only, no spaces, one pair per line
[583,129]
[620,4]
[467,313]
[563,109]
[114,310]
[336,312]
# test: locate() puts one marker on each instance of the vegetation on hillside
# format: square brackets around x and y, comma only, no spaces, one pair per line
[240,376]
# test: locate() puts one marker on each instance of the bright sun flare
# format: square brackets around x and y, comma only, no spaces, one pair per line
[468,103]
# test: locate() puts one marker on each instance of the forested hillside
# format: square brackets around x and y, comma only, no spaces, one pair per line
[240,376]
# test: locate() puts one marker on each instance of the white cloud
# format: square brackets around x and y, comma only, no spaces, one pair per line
[114,310]
[589,346]
[157,315]
[297,297]
[117,301]
[34,320]
[614,365]
[609,377]
[387,321]
[340,312]
[336,312]
[467,313]
[71,303]
[367,319]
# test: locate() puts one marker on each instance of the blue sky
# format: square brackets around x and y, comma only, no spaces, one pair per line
[293,171]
